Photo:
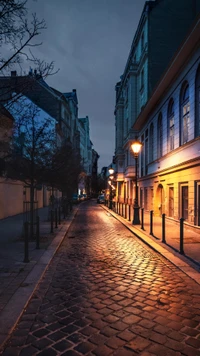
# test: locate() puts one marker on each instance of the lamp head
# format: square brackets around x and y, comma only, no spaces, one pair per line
[136,147]
[111,170]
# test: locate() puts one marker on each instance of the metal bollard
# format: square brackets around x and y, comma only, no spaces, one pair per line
[181,235]
[56,218]
[59,215]
[163,229]
[151,222]
[51,220]
[26,252]
[37,232]
[142,218]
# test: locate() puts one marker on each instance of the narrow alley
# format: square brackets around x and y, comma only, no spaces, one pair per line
[107,293]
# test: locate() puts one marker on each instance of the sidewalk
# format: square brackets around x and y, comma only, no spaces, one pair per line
[189,262]
[18,279]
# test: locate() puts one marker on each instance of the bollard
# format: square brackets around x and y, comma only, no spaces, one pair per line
[37,232]
[142,218]
[163,229]
[181,236]
[51,220]
[59,216]
[56,218]
[151,222]
[26,257]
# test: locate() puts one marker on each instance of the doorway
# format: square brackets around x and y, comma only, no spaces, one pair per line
[171,202]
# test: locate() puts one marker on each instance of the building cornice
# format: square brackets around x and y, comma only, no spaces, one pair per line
[184,52]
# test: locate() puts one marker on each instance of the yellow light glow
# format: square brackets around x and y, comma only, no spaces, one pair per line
[111,170]
[136,147]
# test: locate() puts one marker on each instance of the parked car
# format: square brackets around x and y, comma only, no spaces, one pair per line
[101,199]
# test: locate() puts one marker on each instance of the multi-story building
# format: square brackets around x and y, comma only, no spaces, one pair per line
[162,27]
[86,155]
[73,104]
[169,128]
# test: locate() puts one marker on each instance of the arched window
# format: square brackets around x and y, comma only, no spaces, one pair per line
[142,42]
[160,136]
[170,116]
[197,103]
[185,114]
[142,79]
[151,141]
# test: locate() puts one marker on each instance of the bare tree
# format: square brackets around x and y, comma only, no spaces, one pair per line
[33,139]
[63,169]
[17,35]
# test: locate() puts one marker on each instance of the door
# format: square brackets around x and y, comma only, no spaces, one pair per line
[171,202]
[184,202]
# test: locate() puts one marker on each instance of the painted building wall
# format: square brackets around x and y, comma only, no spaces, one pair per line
[172,181]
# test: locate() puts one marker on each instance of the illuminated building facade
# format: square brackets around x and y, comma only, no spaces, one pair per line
[169,129]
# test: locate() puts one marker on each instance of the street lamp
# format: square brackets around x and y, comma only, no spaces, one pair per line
[111,171]
[136,146]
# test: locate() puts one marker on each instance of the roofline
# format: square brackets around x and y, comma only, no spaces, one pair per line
[135,39]
[178,61]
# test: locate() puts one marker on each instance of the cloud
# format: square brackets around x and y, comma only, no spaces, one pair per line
[89,40]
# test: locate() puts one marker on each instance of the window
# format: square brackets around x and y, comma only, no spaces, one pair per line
[160,136]
[185,114]
[142,42]
[170,115]
[142,157]
[146,152]
[142,79]
[151,141]
[184,202]
[197,103]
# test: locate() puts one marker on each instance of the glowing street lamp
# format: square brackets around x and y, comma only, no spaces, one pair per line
[111,172]
[136,147]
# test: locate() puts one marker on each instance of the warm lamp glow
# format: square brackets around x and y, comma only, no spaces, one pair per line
[111,170]
[136,146]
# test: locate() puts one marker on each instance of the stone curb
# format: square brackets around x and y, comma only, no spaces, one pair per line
[173,258]
[12,312]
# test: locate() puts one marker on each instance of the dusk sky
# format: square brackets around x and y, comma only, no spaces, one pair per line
[89,41]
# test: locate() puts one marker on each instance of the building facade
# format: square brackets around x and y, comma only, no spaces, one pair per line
[169,129]
[153,47]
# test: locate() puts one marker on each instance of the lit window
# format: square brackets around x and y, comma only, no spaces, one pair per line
[151,142]
[197,103]
[171,124]
[160,136]
[185,114]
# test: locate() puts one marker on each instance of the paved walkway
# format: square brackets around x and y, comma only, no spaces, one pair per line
[191,236]
[18,279]
[107,293]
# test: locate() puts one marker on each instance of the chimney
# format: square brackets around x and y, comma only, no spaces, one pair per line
[74,90]
[13,73]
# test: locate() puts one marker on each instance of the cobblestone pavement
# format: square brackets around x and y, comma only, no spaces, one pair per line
[107,293]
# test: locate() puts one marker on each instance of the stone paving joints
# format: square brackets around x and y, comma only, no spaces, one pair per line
[123,331]
[187,267]
[11,314]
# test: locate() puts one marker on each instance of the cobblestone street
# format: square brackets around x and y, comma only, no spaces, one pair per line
[107,293]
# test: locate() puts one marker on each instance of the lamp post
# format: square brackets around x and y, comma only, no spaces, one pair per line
[111,171]
[136,146]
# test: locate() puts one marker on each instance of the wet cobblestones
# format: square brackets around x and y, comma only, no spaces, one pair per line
[107,293]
